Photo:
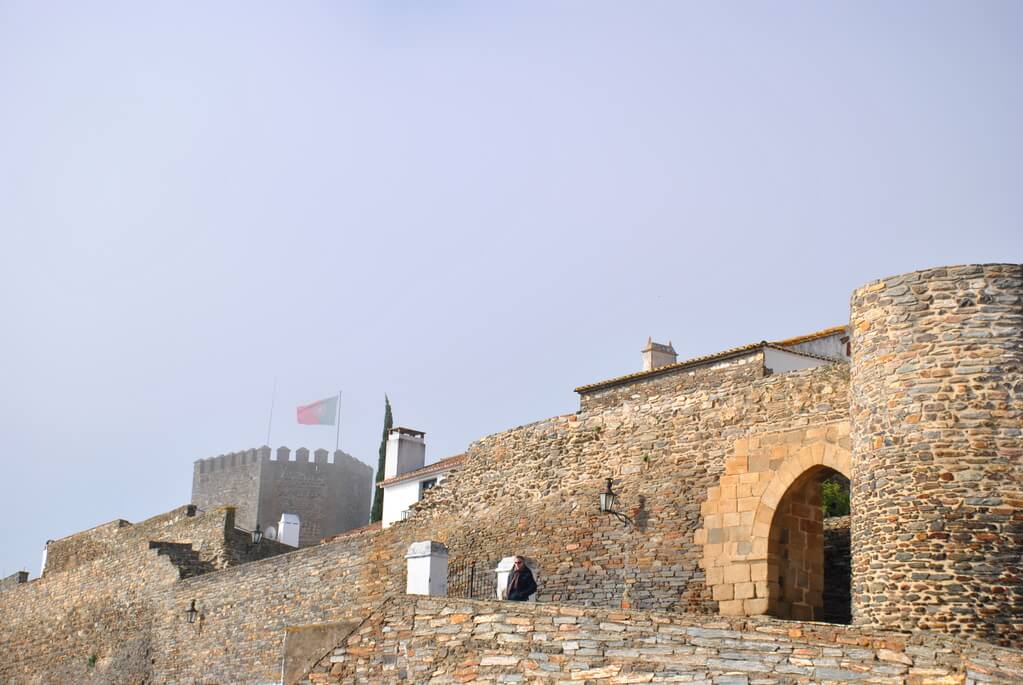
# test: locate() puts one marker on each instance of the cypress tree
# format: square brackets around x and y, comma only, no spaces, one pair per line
[378,493]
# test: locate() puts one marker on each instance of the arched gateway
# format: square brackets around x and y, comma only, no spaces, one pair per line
[763,538]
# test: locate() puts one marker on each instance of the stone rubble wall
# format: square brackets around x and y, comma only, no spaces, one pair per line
[103,608]
[440,640]
[531,490]
[937,487]
[14,580]
[534,490]
[748,366]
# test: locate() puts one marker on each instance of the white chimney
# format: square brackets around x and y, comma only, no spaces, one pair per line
[656,355]
[287,529]
[406,451]
[46,550]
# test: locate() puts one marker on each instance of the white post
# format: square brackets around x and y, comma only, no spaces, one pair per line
[288,528]
[427,569]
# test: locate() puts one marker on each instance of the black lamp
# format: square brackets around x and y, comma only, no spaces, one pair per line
[608,498]
[257,535]
[191,613]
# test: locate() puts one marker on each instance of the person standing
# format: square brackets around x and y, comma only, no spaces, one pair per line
[520,581]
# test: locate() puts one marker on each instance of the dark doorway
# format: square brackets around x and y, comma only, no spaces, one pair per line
[808,559]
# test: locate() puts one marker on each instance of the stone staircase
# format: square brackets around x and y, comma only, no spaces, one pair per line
[183,556]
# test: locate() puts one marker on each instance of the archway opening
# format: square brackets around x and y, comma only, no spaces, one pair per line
[808,562]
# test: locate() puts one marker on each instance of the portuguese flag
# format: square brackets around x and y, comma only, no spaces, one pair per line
[320,413]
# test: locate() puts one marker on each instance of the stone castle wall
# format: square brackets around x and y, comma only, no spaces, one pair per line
[101,609]
[688,451]
[531,490]
[534,490]
[937,486]
[454,641]
[328,497]
[668,381]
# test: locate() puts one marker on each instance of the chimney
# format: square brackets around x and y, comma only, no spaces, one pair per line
[406,451]
[656,355]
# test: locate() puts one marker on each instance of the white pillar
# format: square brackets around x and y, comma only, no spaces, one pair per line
[427,569]
[288,528]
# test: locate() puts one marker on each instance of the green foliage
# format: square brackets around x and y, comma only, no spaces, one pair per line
[377,512]
[834,498]
[91,661]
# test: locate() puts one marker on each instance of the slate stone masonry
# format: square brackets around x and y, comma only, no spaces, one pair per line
[937,486]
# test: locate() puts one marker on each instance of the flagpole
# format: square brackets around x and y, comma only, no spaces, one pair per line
[337,441]
[270,422]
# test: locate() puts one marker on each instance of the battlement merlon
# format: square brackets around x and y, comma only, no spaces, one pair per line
[233,460]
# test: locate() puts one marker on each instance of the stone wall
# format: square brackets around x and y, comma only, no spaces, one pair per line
[440,640]
[92,617]
[13,580]
[762,535]
[747,365]
[534,490]
[703,459]
[245,610]
[937,487]
[328,497]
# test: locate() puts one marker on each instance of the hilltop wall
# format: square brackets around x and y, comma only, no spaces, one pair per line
[448,640]
[534,490]
[531,490]
[90,617]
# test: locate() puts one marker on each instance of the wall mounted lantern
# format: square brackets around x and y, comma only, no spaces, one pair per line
[191,613]
[608,498]
[257,535]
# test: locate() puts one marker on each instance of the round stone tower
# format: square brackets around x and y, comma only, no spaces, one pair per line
[937,428]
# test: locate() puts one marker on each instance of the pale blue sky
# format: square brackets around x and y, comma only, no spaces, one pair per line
[472,207]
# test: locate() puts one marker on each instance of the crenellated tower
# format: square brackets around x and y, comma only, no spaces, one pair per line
[329,493]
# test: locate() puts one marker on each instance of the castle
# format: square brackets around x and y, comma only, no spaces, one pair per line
[708,566]
[329,494]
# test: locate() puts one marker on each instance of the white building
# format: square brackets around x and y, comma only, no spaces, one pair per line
[406,474]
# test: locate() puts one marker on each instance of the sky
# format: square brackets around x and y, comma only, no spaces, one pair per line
[472,208]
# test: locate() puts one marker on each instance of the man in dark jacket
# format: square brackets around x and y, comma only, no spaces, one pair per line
[520,582]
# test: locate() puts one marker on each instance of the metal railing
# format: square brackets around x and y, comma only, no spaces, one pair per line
[471,579]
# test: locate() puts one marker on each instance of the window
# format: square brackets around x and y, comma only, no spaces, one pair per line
[426,485]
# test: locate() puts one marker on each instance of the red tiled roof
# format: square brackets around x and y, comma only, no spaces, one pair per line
[812,336]
[668,368]
[724,354]
[436,467]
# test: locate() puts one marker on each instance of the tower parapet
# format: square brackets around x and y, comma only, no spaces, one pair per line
[329,496]
[937,407]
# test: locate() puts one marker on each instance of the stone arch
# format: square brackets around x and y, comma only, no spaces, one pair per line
[795,549]
[740,509]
